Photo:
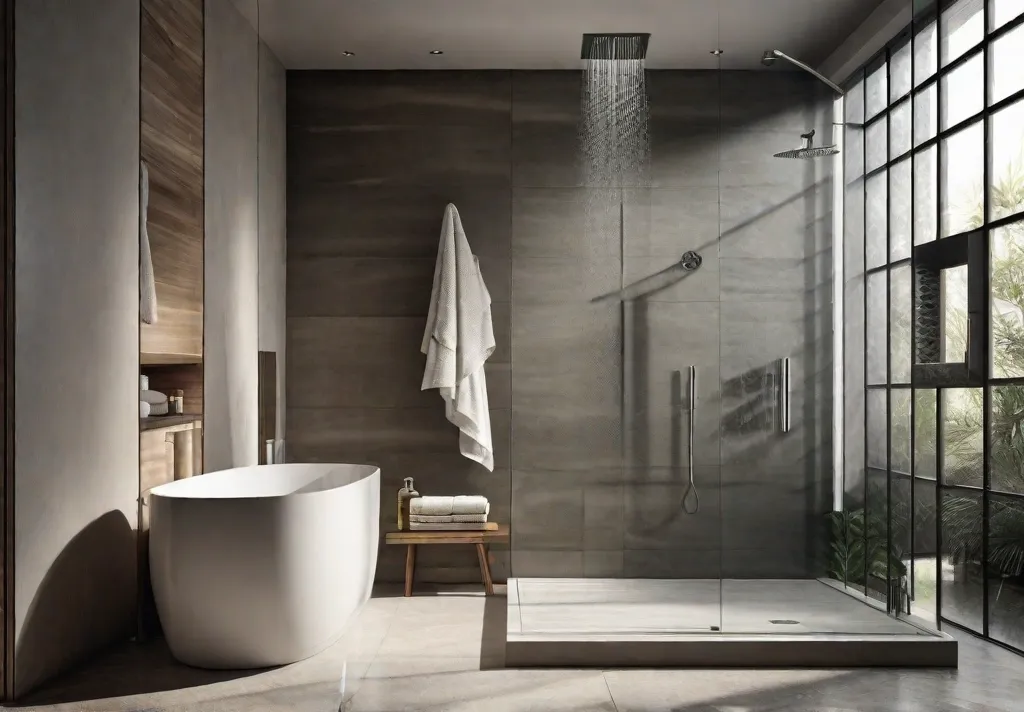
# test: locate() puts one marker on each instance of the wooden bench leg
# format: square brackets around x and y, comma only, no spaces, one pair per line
[410,568]
[485,569]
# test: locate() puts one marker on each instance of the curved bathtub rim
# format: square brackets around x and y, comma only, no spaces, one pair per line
[155,491]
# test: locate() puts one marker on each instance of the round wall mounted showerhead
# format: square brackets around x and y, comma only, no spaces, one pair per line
[809,150]
[769,57]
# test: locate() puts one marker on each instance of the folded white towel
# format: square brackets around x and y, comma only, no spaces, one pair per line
[470,504]
[147,278]
[454,518]
[143,409]
[153,397]
[158,409]
[434,506]
[459,338]
[454,526]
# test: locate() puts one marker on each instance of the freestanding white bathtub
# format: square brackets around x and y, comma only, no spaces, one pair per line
[261,566]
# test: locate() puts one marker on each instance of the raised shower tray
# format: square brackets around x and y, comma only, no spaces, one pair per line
[669,623]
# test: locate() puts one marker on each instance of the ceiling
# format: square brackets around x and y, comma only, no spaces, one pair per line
[546,34]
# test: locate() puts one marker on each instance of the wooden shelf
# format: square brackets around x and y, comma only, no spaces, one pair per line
[153,359]
[155,422]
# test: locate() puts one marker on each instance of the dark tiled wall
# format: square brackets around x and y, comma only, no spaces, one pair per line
[589,437]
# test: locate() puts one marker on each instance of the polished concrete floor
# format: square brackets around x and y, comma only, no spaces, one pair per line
[665,606]
[444,651]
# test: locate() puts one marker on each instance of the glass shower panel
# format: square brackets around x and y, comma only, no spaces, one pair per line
[671,488]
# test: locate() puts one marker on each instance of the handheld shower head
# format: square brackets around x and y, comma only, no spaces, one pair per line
[769,57]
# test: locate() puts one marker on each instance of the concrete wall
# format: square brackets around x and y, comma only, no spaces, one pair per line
[272,270]
[77,330]
[590,464]
[232,239]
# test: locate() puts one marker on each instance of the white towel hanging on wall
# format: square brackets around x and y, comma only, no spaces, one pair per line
[147,280]
[459,338]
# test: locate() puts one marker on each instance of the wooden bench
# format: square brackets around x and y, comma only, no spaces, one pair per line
[412,539]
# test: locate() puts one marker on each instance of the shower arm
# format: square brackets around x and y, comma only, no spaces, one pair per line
[796,62]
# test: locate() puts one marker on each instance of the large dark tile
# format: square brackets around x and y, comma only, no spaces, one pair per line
[359,286]
[566,438]
[567,360]
[768,278]
[562,280]
[571,223]
[546,98]
[663,341]
[439,98]
[546,564]
[780,513]
[400,156]
[684,154]
[333,219]
[771,563]
[775,221]
[684,96]
[546,156]
[768,101]
[654,516]
[548,511]
[366,434]
[665,279]
[666,222]
[603,522]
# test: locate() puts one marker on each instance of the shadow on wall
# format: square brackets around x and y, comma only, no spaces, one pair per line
[88,592]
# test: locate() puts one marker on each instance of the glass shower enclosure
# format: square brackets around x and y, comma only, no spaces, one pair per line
[717,491]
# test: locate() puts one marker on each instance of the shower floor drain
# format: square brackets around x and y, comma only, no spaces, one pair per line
[783,621]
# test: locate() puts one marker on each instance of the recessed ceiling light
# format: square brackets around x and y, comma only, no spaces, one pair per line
[436,51]
[718,52]
[349,54]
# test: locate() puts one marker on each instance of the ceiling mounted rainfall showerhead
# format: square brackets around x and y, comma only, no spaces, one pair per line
[809,150]
[625,45]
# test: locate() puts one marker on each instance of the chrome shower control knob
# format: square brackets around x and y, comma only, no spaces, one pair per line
[691,261]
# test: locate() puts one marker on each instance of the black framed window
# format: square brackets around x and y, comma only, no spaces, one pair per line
[934,244]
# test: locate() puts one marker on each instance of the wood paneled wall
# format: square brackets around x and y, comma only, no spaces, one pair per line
[172,112]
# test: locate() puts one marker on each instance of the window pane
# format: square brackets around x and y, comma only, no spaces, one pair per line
[1007,283]
[899,211]
[926,182]
[1007,440]
[961,558]
[963,27]
[899,71]
[877,144]
[1005,10]
[853,106]
[926,115]
[899,330]
[877,349]
[1007,137]
[925,434]
[1007,69]
[954,314]
[926,53]
[962,436]
[875,228]
[963,92]
[962,177]
[877,95]
[1005,570]
[877,423]
[899,130]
